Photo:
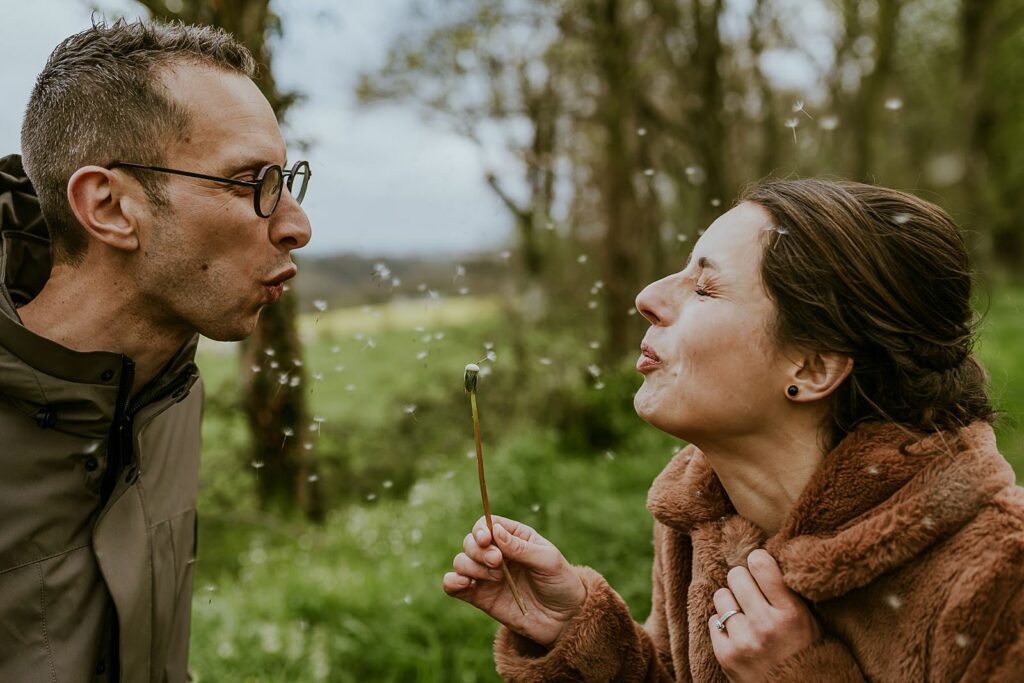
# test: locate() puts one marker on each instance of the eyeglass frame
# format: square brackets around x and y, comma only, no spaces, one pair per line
[256,185]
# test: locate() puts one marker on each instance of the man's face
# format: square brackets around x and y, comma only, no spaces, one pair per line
[207,257]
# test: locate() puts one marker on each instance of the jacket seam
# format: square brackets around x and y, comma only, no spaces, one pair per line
[42,614]
[39,560]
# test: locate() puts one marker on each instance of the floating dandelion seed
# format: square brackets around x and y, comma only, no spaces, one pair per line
[545,361]
[893,103]
[792,124]
[595,345]
[894,601]
[439,336]
[370,343]
[550,226]
[295,381]
[609,455]
[901,218]
[594,371]
[409,409]
[335,349]
[256,368]
[716,202]
[449,474]
[371,496]
[460,271]
[681,237]
[282,379]
[506,255]
[592,305]
[317,376]
[421,287]
[641,132]
[962,640]
[339,368]
[463,291]
[434,294]
[695,174]
[258,464]
[798,108]
[491,356]
[359,336]
[631,311]
[407,599]
[535,507]
[313,478]
[388,483]
[274,365]
[415,535]
[307,446]
[421,355]
[599,385]
[269,352]
[286,288]
[830,122]
[488,345]
[649,172]
[599,284]
[582,258]
[350,387]
[426,338]
[320,305]
[872,469]
[381,272]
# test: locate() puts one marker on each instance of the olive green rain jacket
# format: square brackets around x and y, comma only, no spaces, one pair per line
[97,490]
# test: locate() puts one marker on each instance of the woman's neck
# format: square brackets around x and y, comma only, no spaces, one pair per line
[764,474]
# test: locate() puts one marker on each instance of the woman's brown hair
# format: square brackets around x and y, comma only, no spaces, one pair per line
[882,276]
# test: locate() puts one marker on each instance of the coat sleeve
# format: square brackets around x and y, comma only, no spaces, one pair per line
[602,643]
[995,644]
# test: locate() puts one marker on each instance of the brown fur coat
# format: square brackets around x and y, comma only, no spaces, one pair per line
[913,565]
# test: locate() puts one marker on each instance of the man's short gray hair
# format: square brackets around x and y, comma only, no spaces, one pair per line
[99,100]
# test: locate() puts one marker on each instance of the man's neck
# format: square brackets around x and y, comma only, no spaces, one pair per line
[765,474]
[86,310]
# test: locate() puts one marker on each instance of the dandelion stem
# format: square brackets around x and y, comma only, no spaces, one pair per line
[471,387]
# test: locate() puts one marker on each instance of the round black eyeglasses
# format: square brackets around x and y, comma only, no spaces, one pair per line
[266,187]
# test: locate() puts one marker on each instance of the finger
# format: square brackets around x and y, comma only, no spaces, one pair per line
[724,601]
[488,554]
[515,528]
[765,571]
[453,583]
[748,595]
[544,558]
[474,570]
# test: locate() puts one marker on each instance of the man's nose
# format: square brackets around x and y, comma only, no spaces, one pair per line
[289,226]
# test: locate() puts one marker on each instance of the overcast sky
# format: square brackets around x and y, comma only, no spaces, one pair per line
[385,182]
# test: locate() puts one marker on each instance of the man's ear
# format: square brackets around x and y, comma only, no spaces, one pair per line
[105,206]
[817,374]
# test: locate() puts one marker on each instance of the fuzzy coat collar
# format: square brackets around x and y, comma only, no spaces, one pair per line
[868,509]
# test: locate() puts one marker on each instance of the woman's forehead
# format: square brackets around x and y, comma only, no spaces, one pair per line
[732,244]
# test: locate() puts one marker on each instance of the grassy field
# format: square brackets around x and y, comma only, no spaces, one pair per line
[358,598]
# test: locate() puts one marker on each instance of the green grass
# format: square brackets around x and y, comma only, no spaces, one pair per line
[358,598]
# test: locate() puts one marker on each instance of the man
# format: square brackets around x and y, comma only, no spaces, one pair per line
[165,210]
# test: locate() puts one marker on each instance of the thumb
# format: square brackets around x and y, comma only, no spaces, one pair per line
[515,548]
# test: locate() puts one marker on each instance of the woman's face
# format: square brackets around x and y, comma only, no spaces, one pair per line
[709,363]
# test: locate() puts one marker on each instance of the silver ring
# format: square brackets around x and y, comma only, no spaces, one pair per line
[720,621]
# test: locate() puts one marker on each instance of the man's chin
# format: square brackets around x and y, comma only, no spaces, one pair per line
[233,331]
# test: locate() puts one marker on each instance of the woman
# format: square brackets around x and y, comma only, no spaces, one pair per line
[841,512]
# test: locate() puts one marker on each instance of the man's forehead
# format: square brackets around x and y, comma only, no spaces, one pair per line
[231,120]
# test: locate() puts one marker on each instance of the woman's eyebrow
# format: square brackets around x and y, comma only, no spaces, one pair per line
[703,263]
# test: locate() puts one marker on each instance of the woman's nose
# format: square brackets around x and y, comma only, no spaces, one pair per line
[651,304]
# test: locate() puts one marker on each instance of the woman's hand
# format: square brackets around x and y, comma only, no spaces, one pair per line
[549,586]
[773,622]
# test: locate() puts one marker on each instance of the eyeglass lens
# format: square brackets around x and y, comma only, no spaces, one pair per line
[270,190]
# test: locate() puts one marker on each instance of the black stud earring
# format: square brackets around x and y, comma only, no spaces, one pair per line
[792,390]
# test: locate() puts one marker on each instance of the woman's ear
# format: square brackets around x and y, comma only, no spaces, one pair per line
[105,208]
[817,374]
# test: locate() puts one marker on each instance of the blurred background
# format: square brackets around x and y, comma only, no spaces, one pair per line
[493,182]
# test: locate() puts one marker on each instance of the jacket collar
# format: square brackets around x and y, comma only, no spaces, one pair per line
[867,510]
[80,389]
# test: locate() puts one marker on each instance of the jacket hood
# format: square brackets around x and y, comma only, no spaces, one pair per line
[868,509]
[24,239]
